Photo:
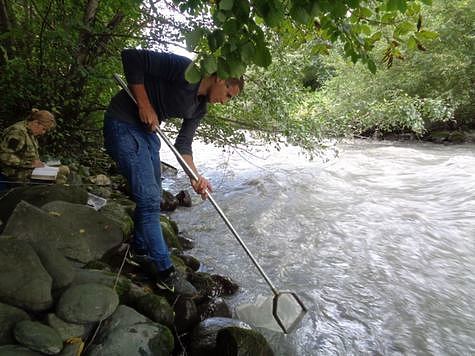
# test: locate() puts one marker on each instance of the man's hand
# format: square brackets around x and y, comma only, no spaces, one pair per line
[147,113]
[202,186]
[148,116]
[37,163]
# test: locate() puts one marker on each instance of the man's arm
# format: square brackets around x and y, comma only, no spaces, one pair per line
[201,186]
[146,112]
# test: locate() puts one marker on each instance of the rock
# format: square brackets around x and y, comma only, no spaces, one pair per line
[39,195]
[186,314]
[169,233]
[127,333]
[72,349]
[186,242]
[119,214]
[23,280]
[101,180]
[178,263]
[191,262]
[87,303]
[439,136]
[16,350]
[213,285]
[203,337]
[184,198]
[99,232]
[156,308]
[38,337]
[57,266]
[214,307]
[8,317]
[43,226]
[457,137]
[86,276]
[168,201]
[234,341]
[66,330]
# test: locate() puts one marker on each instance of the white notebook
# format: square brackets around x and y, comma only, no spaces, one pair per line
[45,173]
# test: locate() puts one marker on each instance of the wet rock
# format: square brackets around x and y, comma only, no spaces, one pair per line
[204,335]
[98,265]
[214,307]
[86,276]
[186,314]
[87,303]
[190,261]
[120,215]
[213,285]
[156,308]
[38,337]
[39,195]
[23,282]
[99,232]
[184,198]
[9,316]
[457,137]
[43,226]
[57,266]
[169,233]
[234,341]
[186,242]
[127,333]
[168,202]
[16,350]
[66,330]
[178,263]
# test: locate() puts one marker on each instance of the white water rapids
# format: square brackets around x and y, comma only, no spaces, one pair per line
[378,239]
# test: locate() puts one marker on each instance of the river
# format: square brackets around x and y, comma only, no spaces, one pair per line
[378,238]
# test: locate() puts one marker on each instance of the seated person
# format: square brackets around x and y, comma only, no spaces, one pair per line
[19,147]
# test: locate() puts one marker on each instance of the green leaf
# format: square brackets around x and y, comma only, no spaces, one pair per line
[247,52]
[411,43]
[236,68]
[371,66]
[193,73]
[299,14]
[404,28]
[427,2]
[393,5]
[209,64]
[425,35]
[192,38]
[226,5]
[223,68]
[215,40]
[231,26]
[262,57]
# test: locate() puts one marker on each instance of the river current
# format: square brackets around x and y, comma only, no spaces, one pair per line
[378,238]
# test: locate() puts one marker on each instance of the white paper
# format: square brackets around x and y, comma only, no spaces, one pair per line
[45,171]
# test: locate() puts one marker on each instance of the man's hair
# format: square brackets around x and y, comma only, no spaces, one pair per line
[236,81]
[44,117]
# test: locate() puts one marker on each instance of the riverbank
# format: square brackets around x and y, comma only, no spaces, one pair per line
[67,287]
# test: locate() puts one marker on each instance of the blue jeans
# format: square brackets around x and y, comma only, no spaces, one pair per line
[137,154]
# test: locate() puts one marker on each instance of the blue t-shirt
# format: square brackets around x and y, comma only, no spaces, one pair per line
[163,75]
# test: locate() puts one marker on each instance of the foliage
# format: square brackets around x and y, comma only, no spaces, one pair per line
[237,33]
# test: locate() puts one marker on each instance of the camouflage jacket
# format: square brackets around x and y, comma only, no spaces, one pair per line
[18,149]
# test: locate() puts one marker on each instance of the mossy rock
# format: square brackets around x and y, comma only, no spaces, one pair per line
[169,233]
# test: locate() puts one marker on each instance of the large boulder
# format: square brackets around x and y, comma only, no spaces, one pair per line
[100,232]
[58,267]
[87,303]
[156,308]
[235,341]
[39,195]
[38,337]
[17,350]
[9,316]
[30,223]
[204,335]
[23,280]
[66,330]
[128,333]
[106,278]
[118,213]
